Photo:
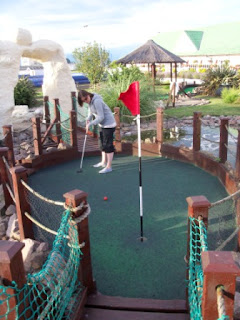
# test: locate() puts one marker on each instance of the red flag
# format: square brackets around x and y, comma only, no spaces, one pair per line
[131,98]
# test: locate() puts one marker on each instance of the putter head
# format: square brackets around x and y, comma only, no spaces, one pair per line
[79,171]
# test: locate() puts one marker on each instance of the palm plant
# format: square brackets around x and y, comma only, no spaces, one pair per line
[218,76]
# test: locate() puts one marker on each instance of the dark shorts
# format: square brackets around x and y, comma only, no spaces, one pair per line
[106,139]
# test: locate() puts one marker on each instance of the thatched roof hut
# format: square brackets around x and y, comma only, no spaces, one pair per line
[151,53]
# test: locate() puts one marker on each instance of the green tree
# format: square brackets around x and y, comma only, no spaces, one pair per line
[25,93]
[92,60]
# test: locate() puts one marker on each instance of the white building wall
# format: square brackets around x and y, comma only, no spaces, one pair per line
[207,61]
[184,44]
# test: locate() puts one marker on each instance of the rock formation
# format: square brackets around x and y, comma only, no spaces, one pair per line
[58,81]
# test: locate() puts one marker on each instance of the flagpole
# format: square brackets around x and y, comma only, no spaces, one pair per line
[131,99]
[140,175]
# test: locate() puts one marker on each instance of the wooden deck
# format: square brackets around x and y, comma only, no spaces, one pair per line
[91,147]
[102,314]
[100,307]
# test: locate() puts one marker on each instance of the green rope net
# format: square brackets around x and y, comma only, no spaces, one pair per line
[65,123]
[52,292]
[221,225]
[65,126]
[82,114]
[197,243]
[50,217]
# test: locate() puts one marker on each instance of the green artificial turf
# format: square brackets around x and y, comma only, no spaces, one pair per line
[123,265]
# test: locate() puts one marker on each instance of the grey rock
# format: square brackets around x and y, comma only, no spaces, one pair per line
[51,149]
[11,210]
[29,247]
[37,260]
[12,225]
[2,230]
[43,246]
[147,140]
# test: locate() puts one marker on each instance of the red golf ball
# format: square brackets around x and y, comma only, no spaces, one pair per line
[105,198]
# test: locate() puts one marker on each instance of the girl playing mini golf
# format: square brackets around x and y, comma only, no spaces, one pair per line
[104,118]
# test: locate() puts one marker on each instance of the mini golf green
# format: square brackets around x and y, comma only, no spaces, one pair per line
[123,265]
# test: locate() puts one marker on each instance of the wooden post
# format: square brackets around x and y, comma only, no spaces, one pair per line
[4,177]
[237,208]
[175,64]
[118,144]
[173,93]
[197,131]
[7,130]
[237,166]
[153,71]
[118,124]
[237,175]
[22,206]
[73,128]
[159,125]
[223,140]
[197,206]
[74,198]
[74,101]
[58,119]
[95,131]
[47,112]
[219,268]
[11,269]
[36,128]
[176,86]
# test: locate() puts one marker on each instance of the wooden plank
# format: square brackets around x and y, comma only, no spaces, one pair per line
[103,314]
[91,144]
[48,130]
[120,303]
[82,300]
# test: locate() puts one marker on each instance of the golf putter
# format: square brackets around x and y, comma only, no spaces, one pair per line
[83,151]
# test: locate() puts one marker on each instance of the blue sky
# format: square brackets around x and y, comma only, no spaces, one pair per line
[118,25]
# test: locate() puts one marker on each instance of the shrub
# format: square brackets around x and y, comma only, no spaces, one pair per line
[182,74]
[202,70]
[119,80]
[217,76]
[189,74]
[25,93]
[230,95]
[193,70]
[196,75]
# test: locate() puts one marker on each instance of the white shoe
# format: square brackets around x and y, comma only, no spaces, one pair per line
[105,170]
[99,165]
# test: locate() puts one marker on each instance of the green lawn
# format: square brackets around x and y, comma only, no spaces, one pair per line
[216,107]
[39,97]
[123,265]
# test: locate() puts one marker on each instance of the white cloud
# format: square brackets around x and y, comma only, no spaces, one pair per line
[112,24]
[8,27]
